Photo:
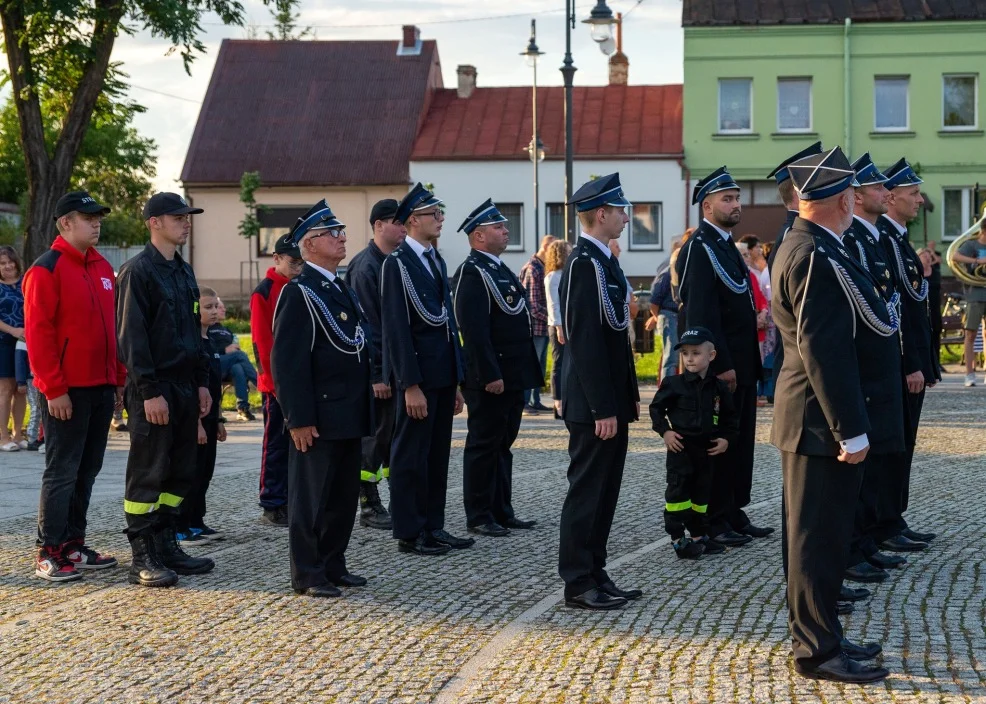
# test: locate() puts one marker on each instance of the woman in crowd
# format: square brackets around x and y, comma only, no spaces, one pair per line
[762,304]
[13,361]
[555,259]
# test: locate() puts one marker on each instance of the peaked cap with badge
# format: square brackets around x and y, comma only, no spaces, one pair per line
[485,214]
[866,172]
[718,180]
[822,175]
[605,190]
[318,217]
[418,198]
[781,173]
[901,174]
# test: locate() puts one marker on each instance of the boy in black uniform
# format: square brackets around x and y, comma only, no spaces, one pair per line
[694,413]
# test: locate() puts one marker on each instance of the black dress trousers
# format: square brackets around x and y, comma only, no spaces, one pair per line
[487,462]
[594,476]
[732,479]
[819,500]
[322,506]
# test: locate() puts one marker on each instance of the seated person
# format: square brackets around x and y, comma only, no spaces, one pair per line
[234,365]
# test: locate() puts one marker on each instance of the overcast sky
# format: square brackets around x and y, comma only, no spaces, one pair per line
[652,40]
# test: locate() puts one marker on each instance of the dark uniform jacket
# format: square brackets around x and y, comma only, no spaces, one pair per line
[363,277]
[788,221]
[158,324]
[864,248]
[598,374]
[841,377]
[908,273]
[496,343]
[320,378]
[703,263]
[695,407]
[417,351]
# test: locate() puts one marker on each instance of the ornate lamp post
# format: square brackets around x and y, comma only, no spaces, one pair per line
[535,149]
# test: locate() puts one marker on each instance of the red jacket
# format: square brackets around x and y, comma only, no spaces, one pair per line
[70,320]
[262,304]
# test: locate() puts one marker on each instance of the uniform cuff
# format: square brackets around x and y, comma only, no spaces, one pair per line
[856,444]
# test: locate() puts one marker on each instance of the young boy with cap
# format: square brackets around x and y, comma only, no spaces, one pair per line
[694,413]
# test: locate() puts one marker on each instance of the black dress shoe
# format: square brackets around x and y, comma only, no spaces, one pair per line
[349,580]
[844,607]
[916,536]
[853,593]
[444,538]
[865,572]
[629,594]
[865,651]
[732,539]
[490,530]
[843,668]
[755,531]
[712,547]
[320,591]
[595,600]
[887,562]
[518,524]
[899,543]
[422,545]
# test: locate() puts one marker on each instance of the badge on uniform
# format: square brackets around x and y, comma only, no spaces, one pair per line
[327,284]
[343,317]
[510,299]
[512,287]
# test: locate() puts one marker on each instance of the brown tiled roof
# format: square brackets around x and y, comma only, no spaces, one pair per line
[608,121]
[748,12]
[311,113]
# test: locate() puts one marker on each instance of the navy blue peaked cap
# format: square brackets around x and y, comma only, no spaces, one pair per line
[605,190]
[822,175]
[318,217]
[901,174]
[419,198]
[866,172]
[718,180]
[781,174]
[486,214]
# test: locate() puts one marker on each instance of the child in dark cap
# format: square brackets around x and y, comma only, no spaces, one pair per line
[694,413]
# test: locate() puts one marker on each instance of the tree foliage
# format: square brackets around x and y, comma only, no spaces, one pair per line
[285,17]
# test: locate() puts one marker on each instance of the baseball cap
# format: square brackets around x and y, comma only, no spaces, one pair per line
[79,201]
[168,204]
[695,336]
[384,209]
[287,246]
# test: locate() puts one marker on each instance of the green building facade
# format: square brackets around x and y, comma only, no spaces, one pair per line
[756,93]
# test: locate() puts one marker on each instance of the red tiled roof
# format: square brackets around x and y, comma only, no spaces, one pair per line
[495,123]
[311,112]
[751,12]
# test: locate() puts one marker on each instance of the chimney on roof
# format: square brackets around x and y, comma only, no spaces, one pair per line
[467,80]
[619,64]
[410,41]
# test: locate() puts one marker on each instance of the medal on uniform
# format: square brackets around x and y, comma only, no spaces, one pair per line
[510,299]
[343,317]
[715,411]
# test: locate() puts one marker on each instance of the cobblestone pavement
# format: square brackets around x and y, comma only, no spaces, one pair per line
[487,624]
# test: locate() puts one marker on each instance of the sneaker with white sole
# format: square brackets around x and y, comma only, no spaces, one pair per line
[51,565]
[970,380]
[190,538]
[85,558]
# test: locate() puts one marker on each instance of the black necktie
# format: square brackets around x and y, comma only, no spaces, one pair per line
[433,265]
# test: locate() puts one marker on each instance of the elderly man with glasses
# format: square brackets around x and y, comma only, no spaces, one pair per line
[423,361]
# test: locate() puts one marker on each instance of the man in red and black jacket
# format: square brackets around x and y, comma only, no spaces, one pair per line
[70,327]
[274,460]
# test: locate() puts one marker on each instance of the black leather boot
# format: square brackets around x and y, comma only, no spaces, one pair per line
[173,557]
[372,514]
[146,569]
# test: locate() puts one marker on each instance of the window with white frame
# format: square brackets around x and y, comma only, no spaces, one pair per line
[646,227]
[554,220]
[793,104]
[957,211]
[960,96]
[514,213]
[275,221]
[891,111]
[735,105]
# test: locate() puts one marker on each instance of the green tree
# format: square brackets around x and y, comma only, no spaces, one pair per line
[49,40]
[285,17]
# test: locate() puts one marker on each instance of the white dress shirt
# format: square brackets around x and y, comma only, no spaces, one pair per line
[495,258]
[324,272]
[725,235]
[602,247]
[422,253]
[871,228]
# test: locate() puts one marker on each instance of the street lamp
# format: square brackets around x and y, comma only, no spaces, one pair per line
[600,24]
[535,149]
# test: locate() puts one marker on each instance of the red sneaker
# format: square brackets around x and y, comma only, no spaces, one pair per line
[85,558]
[53,566]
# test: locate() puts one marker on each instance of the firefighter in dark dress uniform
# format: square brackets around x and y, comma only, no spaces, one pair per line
[500,363]
[601,397]
[836,399]
[422,359]
[321,368]
[714,288]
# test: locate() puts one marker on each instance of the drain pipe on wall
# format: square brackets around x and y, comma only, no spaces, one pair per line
[688,188]
[846,141]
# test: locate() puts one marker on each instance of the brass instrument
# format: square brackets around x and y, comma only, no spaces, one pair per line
[977,276]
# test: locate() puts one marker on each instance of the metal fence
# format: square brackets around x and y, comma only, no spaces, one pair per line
[117,255]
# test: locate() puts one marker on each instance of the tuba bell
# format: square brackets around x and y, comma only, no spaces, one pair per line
[969,274]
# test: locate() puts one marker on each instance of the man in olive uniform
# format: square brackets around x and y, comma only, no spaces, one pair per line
[714,288]
[159,338]
[601,397]
[321,368]
[500,364]
[835,400]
